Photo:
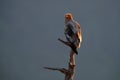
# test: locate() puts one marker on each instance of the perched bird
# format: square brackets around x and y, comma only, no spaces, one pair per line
[73,32]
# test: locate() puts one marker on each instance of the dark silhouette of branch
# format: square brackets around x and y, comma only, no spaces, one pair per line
[64,42]
[69,73]
[62,70]
[70,44]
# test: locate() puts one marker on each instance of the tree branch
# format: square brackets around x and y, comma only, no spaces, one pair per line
[62,70]
[64,42]
[69,73]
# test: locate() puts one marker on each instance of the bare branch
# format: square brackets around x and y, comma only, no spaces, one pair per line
[63,70]
[70,44]
[70,72]
[71,67]
[64,42]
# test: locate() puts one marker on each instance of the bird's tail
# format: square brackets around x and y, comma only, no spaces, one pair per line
[70,44]
[73,47]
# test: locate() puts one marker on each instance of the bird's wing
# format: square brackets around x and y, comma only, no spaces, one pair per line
[69,32]
[79,31]
[73,33]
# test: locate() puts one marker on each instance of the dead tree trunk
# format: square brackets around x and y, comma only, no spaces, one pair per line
[70,72]
[71,68]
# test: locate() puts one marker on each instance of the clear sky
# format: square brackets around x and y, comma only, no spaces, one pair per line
[29,30]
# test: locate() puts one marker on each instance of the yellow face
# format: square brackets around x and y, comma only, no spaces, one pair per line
[68,16]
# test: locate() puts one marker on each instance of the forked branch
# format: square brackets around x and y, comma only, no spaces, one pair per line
[69,73]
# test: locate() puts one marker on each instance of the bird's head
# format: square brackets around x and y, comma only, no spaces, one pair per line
[68,16]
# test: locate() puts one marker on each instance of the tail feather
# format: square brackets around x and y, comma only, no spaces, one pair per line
[73,47]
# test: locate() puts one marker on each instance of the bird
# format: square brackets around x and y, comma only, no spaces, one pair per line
[73,32]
